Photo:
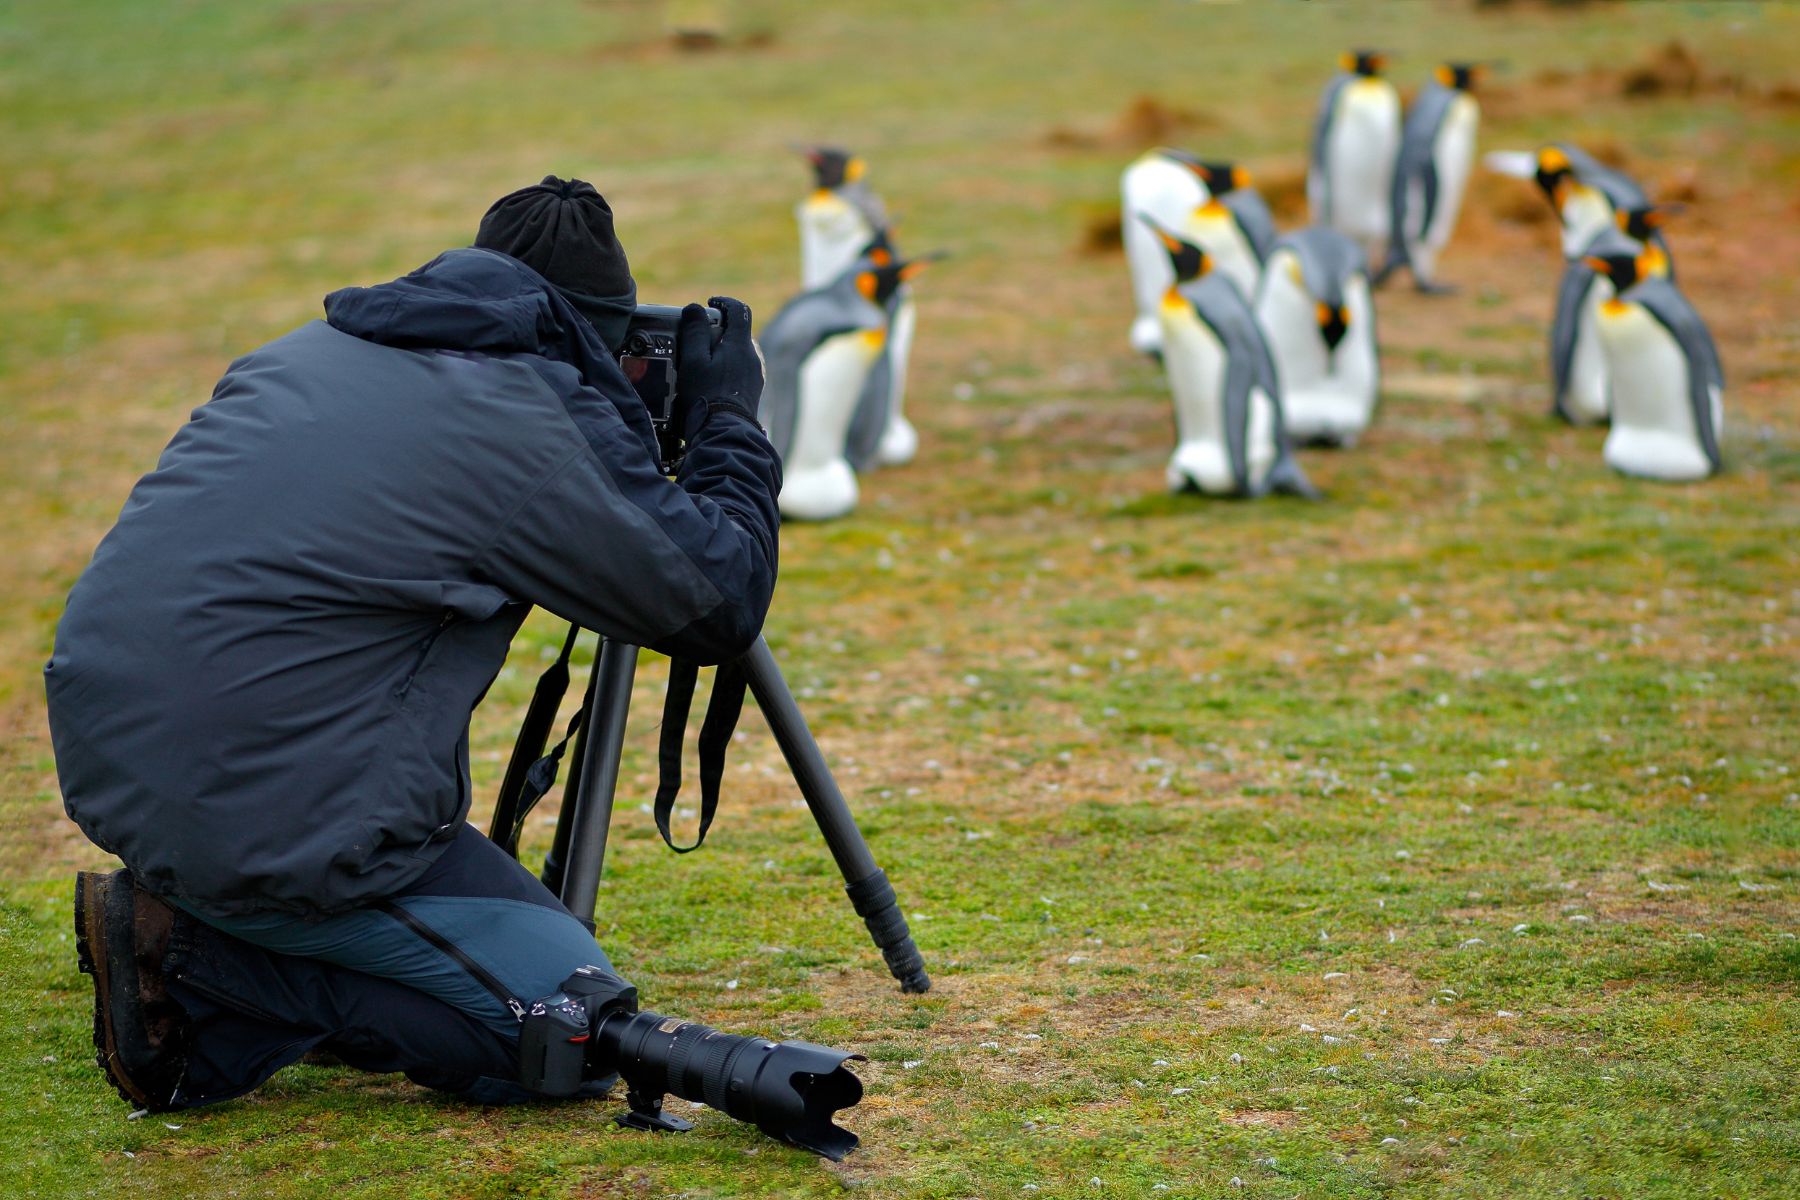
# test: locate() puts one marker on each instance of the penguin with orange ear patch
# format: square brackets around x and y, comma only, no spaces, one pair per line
[818,352]
[1581,385]
[1437,148]
[1667,384]
[1356,141]
[880,434]
[838,218]
[1230,436]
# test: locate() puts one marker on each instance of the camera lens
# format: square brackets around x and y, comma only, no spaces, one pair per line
[789,1090]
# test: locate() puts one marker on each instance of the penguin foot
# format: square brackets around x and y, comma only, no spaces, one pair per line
[899,443]
[818,493]
[1428,288]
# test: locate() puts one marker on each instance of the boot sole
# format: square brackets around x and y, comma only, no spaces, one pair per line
[91,890]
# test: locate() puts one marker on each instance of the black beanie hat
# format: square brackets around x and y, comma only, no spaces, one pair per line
[563,230]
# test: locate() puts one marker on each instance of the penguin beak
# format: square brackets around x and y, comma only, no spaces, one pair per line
[1597,265]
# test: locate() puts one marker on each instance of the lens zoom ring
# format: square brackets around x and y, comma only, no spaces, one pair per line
[680,1050]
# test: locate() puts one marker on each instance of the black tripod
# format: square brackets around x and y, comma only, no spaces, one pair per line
[572,869]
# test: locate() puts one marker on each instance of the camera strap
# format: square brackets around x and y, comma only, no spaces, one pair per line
[531,773]
[722,713]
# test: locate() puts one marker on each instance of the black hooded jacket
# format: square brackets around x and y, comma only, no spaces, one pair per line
[261,687]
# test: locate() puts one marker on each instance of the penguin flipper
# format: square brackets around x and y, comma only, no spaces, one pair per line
[871,417]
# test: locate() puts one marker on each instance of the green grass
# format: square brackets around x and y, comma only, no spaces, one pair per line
[1461,809]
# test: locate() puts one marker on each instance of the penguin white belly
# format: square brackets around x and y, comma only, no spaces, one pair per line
[899,440]
[1216,231]
[1653,432]
[1588,395]
[1359,163]
[1166,192]
[1452,154]
[833,233]
[1326,396]
[1194,358]
[817,480]
[1585,212]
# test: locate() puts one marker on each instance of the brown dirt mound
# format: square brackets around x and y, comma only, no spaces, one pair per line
[1285,190]
[1673,70]
[1103,232]
[1143,123]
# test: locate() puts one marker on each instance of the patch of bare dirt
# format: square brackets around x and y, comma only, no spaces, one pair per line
[1143,123]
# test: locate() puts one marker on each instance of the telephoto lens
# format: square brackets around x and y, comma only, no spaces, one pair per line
[789,1090]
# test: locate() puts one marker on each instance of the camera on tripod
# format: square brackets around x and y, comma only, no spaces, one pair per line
[647,357]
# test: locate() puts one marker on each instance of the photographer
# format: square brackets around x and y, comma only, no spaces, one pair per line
[261,687]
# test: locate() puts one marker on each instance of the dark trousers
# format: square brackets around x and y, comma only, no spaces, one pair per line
[429,982]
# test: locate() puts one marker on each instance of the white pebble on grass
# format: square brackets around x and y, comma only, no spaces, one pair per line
[910,1063]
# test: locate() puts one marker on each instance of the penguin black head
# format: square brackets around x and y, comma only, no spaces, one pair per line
[1334,323]
[1189,260]
[833,166]
[1644,223]
[879,282]
[1553,172]
[1222,177]
[1367,63]
[1459,75]
[880,249]
[1623,268]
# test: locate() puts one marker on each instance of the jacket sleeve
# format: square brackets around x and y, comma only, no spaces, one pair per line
[687,569]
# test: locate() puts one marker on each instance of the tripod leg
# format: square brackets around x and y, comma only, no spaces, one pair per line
[868,887]
[599,775]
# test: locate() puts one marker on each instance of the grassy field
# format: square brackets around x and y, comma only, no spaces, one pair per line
[1439,839]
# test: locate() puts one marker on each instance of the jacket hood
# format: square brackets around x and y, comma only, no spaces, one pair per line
[487,302]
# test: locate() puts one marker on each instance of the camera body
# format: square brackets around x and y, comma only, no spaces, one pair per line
[648,359]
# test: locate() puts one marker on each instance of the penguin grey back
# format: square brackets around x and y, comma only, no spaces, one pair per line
[1251,212]
[794,333]
[1248,365]
[1571,296]
[1327,260]
[1618,187]
[1322,134]
[1418,138]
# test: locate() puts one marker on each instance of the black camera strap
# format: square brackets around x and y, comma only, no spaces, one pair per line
[532,771]
[722,712]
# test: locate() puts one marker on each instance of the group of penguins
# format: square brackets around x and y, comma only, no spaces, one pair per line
[1269,341]
[835,356]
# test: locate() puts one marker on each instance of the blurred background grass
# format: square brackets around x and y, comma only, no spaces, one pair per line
[1178,791]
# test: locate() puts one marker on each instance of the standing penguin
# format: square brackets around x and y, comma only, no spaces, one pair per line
[1228,419]
[1160,184]
[1437,148]
[880,434]
[819,350]
[1667,384]
[1578,374]
[838,218]
[1233,225]
[1315,306]
[1356,140]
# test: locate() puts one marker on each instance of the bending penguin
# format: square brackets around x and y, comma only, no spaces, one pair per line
[1667,383]
[838,219]
[1233,225]
[1356,140]
[1163,186]
[819,350]
[1580,383]
[1231,440]
[1316,307]
[1437,148]
[1585,192]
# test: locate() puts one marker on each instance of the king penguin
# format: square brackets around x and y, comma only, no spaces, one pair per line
[1233,225]
[1316,307]
[1578,374]
[1585,192]
[880,434]
[1162,185]
[1437,149]
[1356,140]
[819,350]
[839,218]
[1230,438]
[1667,384]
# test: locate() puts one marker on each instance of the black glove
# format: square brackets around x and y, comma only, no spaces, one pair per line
[710,376]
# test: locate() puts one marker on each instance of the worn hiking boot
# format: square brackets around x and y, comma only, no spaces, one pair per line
[140,1031]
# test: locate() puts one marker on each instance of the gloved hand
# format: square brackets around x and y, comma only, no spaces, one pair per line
[726,374]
